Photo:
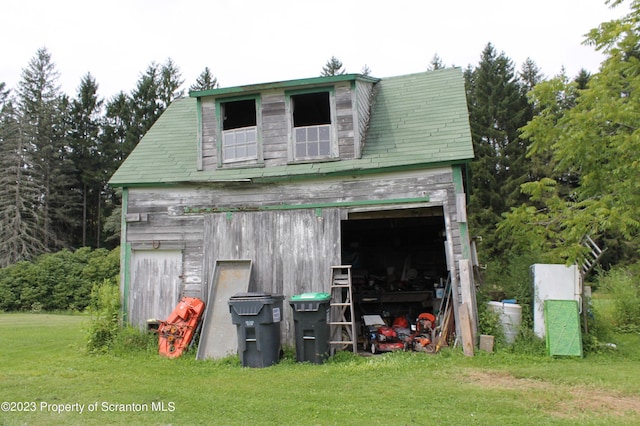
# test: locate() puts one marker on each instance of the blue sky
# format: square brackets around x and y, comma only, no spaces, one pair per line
[257,41]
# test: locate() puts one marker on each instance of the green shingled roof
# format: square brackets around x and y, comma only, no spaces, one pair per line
[417,120]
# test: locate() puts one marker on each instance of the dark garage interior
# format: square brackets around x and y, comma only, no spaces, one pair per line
[398,261]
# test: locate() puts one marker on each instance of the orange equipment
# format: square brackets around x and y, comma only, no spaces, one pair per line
[426,322]
[424,329]
[176,332]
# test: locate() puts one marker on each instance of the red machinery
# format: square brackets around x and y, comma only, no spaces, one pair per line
[379,337]
[176,332]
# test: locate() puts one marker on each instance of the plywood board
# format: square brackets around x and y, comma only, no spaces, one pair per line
[562,322]
[219,337]
[465,327]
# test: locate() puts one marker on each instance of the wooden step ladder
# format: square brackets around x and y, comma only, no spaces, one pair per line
[342,325]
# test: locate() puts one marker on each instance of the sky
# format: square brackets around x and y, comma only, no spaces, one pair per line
[261,41]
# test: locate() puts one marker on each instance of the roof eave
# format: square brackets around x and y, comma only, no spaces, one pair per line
[285,177]
[251,88]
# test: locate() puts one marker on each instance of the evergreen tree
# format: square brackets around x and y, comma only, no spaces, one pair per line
[87,155]
[332,67]
[519,166]
[4,93]
[205,81]
[117,142]
[19,228]
[436,63]
[170,83]
[42,113]
[146,105]
[497,109]
[582,79]
[117,139]
[156,89]
[530,75]
[65,204]
[365,70]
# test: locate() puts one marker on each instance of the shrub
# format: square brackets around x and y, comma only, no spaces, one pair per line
[510,279]
[104,323]
[56,281]
[622,286]
[129,339]
[489,322]
[528,343]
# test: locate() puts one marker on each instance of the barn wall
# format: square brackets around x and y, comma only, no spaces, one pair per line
[291,231]
[291,251]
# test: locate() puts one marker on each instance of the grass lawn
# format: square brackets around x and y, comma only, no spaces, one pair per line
[46,371]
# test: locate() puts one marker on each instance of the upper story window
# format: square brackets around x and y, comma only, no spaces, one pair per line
[239,130]
[312,125]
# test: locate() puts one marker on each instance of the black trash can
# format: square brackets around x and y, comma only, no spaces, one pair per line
[311,320]
[257,318]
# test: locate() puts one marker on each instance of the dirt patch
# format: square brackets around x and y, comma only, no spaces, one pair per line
[573,402]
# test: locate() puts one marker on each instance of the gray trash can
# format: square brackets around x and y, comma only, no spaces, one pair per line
[257,318]
[311,321]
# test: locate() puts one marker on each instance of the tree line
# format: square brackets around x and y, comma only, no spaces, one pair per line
[58,153]
[555,157]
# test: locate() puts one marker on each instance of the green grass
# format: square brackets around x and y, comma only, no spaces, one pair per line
[44,362]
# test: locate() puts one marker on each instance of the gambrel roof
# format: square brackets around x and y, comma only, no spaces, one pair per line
[417,121]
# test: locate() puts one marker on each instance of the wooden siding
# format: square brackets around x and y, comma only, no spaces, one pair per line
[155,285]
[292,251]
[275,132]
[292,246]
[344,122]
[209,134]
[363,97]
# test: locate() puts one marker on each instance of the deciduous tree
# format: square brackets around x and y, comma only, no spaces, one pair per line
[593,136]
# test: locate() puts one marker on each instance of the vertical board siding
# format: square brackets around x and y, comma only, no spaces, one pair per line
[275,134]
[291,251]
[155,285]
[209,134]
[344,124]
[364,97]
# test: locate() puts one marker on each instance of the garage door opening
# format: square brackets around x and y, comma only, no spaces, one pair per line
[398,261]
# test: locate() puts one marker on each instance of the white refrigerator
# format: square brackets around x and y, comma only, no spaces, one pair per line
[553,282]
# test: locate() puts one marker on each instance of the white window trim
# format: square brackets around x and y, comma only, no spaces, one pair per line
[333,148]
[245,144]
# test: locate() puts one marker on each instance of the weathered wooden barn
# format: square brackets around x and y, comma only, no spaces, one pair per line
[298,176]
